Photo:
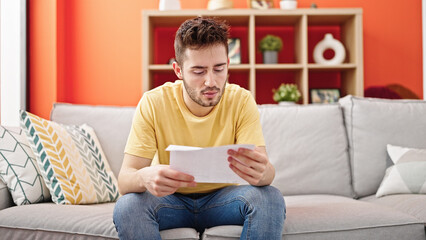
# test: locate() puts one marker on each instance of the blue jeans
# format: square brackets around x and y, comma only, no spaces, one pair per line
[261,211]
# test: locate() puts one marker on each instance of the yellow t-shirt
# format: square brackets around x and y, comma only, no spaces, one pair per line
[162,119]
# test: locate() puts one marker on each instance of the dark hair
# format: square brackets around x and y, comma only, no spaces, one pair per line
[200,32]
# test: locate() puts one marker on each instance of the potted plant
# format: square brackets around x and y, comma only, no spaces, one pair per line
[270,45]
[286,93]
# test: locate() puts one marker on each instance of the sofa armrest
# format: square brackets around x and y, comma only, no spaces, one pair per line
[5,197]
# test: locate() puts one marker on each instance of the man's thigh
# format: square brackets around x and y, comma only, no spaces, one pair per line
[231,205]
[169,211]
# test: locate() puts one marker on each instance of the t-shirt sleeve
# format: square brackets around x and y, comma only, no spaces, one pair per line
[142,141]
[249,129]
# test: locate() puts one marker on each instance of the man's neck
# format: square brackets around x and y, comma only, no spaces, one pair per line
[194,107]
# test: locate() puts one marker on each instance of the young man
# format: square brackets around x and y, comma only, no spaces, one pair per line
[199,110]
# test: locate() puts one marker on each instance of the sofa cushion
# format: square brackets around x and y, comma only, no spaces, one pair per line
[371,124]
[71,161]
[111,125]
[19,169]
[336,217]
[5,197]
[308,147]
[51,221]
[412,204]
[407,175]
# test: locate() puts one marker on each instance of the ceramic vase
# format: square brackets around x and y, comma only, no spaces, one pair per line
[329,43]
[288,4]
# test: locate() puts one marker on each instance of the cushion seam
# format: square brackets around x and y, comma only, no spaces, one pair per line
[358,228]
[55,231]
[331,230]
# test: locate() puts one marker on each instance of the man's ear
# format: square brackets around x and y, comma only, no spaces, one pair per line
[177,69]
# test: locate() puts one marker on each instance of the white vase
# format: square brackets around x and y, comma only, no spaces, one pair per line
[329,43]
[169,5]
[288,4]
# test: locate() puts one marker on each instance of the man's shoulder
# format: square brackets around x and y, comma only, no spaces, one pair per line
[166,90]
[234,91]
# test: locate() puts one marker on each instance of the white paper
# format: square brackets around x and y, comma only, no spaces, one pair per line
[207,165]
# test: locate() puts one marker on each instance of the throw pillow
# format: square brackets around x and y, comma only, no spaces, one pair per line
[407,175]
[18,168]
[71,160]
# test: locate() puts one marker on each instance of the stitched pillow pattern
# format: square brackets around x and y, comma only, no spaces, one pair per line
[71,161]
[407,175]
[19,169]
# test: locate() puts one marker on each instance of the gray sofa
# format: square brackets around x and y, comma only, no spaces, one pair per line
[329,160]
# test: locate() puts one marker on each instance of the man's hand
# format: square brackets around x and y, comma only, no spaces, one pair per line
[161,180]
[137,175]
[252,165]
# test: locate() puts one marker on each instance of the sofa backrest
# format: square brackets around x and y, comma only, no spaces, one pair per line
[373,123]
[111,125]
[307,144]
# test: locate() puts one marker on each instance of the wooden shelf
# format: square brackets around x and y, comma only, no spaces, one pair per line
[299,29]
[320,67]
[279,66]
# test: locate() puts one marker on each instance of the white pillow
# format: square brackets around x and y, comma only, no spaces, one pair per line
[18,168]
[407,175]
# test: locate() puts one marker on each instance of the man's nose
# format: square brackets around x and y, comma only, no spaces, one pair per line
[209,81]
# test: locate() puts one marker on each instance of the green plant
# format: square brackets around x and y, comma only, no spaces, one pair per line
[270,43]
[286,92]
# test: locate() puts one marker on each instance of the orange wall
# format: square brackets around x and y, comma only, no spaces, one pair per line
[89,51]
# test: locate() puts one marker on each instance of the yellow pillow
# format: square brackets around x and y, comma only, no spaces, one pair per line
[71,161]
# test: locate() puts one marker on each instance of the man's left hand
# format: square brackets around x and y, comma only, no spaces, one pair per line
[252,165]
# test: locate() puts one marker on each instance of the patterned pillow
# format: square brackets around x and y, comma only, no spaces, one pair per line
[18,168]
[71,160]
[407,175]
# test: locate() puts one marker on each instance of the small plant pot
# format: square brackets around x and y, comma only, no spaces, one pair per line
[270,57]
[286,103]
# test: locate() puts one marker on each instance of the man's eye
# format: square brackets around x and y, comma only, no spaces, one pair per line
[198,72]
[218,69]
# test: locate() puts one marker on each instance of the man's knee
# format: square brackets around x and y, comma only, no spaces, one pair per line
[263,194]
[130,204]
[266,197]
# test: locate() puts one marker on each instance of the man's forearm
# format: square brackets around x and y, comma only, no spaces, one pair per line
[129,181]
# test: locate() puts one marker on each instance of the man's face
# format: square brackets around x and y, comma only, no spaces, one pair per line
[204,73]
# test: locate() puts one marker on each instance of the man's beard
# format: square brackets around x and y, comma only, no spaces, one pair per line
[193,94]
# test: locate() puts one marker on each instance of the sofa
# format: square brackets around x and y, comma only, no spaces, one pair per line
[330,161]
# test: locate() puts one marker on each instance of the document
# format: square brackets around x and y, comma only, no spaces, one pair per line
[207,165]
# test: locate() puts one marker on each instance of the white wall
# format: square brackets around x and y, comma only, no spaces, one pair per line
[12,60]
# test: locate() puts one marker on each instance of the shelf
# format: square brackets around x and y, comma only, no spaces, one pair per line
[168,67]
[239,67]
[320,67]
[300,29]
[279,66]
[161,67]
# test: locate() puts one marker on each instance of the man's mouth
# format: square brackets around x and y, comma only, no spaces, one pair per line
[210,94]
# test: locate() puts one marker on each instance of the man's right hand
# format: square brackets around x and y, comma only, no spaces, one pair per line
[137,175]
[161,180]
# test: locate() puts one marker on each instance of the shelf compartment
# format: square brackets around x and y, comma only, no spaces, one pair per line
[240,77]
[316,33]
[268,80]
[287,35]
[277,19]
